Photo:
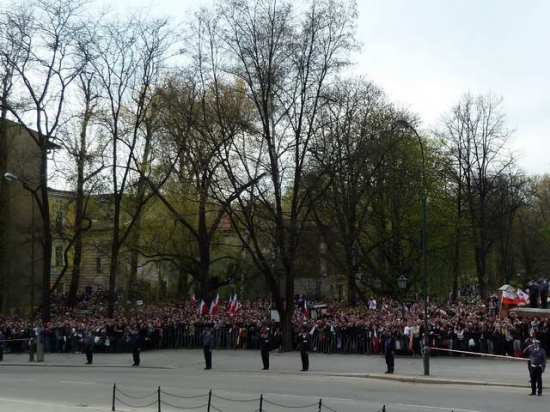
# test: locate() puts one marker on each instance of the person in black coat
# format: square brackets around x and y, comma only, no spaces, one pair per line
[389,348]
[305,344]
[134,338]
[265,347]
[537,365]
[89,343]
[207,346]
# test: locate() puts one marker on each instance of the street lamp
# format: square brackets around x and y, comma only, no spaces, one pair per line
[402,283]
[135,288]
[11,177]
[404,124]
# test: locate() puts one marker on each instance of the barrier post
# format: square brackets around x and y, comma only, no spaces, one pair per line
[158,398]
[114,396]
[261,402]
[320,404]
[209,399]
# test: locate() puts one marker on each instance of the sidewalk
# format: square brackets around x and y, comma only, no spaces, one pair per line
[443,369]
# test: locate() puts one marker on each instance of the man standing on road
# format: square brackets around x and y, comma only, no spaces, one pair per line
[537,363]
[265,347]
[134,339]
[89,343]
[207,346]
[305,344]
[389,347]
[2,339]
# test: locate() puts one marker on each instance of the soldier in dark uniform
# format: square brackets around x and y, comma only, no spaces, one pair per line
[2,338]
[135,342]
[537,364]
[265,347]
[207,346]
[89,343]
[389,347]
[305,343]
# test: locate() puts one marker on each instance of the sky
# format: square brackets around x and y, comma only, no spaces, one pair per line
[425,54]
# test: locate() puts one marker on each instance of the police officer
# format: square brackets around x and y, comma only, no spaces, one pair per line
[265,347]
[389,347]
[134,339]
[305,343]
[2,339]
[207,346]
[89,343]
[537,364]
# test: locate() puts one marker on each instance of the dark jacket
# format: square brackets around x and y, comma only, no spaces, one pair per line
[305,342]
[208,341]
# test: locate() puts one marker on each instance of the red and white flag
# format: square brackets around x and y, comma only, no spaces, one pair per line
[193,300]
[215,305]
[523,297]
[305,311]
[229,305]
[203,308]
[509,298]
[236,305]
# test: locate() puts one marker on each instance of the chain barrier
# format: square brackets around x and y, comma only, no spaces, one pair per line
[209,406]
[235,400]
[326,407]
[186,409]
[291,407]
[136,397]
[137,406]
[183,396]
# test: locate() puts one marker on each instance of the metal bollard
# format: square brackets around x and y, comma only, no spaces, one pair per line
[114,396]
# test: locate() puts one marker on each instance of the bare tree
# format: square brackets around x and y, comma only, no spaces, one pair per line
[45,63]
[83,165]
[476,139]
[284,57]
[350,146]
[128,61]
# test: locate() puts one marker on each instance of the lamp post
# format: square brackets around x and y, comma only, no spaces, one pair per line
[11,177]
[135,287]
[403,123]
[402,283]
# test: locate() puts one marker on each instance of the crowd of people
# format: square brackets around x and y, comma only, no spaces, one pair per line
[468,325]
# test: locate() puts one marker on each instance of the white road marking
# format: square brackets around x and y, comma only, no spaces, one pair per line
[307,396]
[436,407]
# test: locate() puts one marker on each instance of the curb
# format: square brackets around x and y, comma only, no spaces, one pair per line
[422,379]
[59,365]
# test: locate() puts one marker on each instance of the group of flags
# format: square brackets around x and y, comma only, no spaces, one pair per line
[515,298]
[233,305]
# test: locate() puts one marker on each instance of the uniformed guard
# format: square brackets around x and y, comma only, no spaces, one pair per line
[305,343]
[89,343]
[537,365]
[265,347]
[2,339]
[207,346]
[389,348]
[134,338]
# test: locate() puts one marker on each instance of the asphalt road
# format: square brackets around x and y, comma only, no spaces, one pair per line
[345,383]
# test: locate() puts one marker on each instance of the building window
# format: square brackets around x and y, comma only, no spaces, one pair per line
[58,222]
[59,256]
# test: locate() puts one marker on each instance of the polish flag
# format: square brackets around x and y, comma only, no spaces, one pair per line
[193,301]
[215,305]
[304,309]
[234,305]
[509,298]
[203,308]
[229,306]
[523,297]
